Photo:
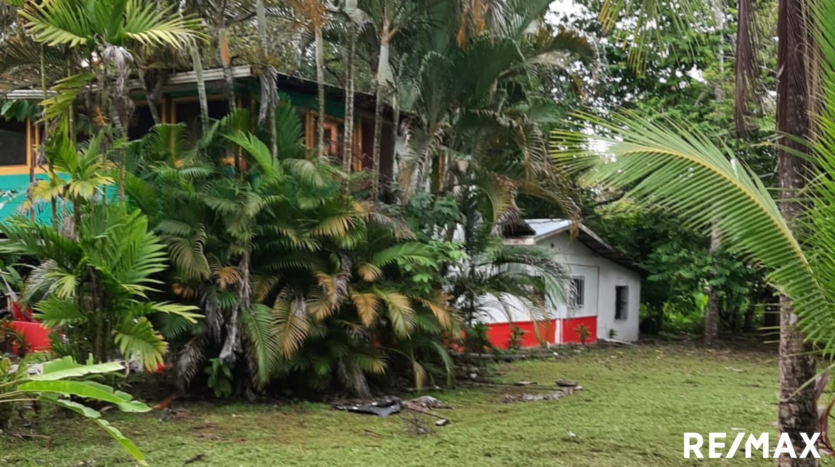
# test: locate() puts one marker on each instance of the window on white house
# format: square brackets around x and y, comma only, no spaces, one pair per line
[577,294]
[621,301]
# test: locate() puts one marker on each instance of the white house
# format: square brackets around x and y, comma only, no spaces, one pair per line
[605,295]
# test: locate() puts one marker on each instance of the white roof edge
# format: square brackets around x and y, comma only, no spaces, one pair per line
[26,95]
[215,74]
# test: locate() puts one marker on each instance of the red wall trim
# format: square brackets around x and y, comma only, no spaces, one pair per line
[569,327]
[499,333]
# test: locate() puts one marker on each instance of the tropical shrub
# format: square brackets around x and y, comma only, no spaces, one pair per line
[92,276]
[296,279]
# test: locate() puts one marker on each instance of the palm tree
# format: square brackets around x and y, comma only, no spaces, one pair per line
[93,276]
[668,165]
[498,276]
[388,18]
[796,101]
[292,275]
[315,17]
[353,19]
[108,40]
[474,127]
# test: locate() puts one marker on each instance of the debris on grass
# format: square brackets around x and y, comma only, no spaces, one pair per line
[426,402]
[511,398]
[525,383]
[566,388]
[194,459]
[381,408]
[416,425]
[167,414]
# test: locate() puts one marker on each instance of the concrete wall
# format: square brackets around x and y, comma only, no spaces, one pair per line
[581,261]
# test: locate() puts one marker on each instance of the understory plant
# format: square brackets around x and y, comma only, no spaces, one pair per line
[66,384]
[93,274]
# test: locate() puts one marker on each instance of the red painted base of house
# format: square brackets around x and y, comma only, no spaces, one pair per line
[499,334]
[571,327]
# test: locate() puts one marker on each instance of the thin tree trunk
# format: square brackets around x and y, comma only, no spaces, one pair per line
[320,81]
[798,409]
[395,129]
[226,59]
[348,149]
[149,96]
[201,89]
[378,110]
[711,333]
[52,203]
[748,319]
[268,98]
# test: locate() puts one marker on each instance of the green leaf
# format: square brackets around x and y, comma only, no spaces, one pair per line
[67,368]
[87,390]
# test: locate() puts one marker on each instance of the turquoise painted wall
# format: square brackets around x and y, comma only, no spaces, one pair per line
[13,194]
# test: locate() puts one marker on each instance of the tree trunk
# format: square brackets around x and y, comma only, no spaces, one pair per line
[268,96]
[226,60]
[797,412]
[348,149]
[711,333]
[53,207]
[320,81]
[712,311]
[378,109]
[201,89]
[395,130]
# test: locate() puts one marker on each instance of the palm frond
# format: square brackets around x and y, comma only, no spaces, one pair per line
[259,324]
[400,311]
[706,185]
[292,323]
[139,340]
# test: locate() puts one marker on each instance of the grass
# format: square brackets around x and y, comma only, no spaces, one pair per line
[634,407]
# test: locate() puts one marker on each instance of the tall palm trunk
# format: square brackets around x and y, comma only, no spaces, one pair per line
[797,411]
[225,55]
[320,81]
[268,98]
[201,88]
[711,332]
[385,40]
[348,150]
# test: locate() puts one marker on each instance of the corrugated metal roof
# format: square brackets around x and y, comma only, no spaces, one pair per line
[544,227]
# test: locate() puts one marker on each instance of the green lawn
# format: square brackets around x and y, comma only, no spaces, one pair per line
[635,405]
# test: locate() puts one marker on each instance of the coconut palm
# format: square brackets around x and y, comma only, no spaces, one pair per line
[668,164]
